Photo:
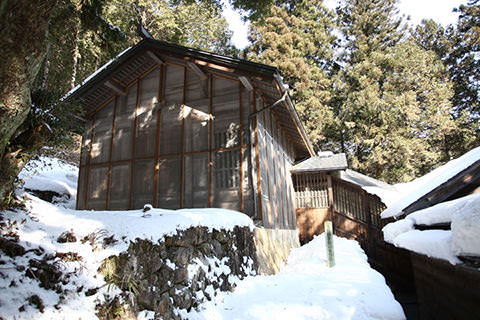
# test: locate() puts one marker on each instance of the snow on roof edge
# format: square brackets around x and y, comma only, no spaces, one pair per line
[429,182]
[386,192]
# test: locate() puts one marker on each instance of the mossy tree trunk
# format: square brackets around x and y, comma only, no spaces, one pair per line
[24,26]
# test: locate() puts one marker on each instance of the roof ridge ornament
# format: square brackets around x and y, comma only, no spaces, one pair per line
[143,32]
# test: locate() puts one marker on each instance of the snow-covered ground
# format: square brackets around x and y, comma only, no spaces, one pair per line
[307,289]
[304,289]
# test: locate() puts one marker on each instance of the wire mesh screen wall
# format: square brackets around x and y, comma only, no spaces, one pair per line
[176,140]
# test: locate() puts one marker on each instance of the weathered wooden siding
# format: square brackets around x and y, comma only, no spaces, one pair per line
[174,140]
[446,291]
[275,157]
[310,222]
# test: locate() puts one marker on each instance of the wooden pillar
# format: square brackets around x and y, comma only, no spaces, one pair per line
[107,204]
[241,145]
[368,214]
[210,145]
[257,159]
[267,168]
[275,171]
[157,137]
[134,138]
[182,158]
[89,159]
[331,204]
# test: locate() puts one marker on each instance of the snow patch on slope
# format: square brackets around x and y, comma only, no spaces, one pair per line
[40,225]
[51,174]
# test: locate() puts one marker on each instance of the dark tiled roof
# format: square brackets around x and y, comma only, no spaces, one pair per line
[322,163]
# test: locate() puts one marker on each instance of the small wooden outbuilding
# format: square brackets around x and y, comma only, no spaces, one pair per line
[323,193]
[176,127]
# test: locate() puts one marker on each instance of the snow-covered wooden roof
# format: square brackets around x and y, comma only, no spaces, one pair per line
[438,185]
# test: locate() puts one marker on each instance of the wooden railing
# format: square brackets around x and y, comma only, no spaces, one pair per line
[311,190]
[354,202]
[354,212]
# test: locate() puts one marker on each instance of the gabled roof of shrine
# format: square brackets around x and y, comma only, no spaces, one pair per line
[136,61]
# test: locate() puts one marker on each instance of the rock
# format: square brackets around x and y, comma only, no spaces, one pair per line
[217,248]
[182,256]
[11,248]
[91,292]
[182,282]
[46,195]
[47,274]
[182,298]
[181,276]
[163,305]
[220,236]
[37,302]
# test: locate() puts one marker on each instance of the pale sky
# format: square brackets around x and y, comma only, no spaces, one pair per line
[438,10]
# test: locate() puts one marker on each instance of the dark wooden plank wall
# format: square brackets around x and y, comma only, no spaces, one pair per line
[446,291]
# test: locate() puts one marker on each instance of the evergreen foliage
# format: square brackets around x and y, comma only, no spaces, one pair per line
[197,25]
[48,49]
[464,61]
[374,93]
[394,103]
[399,102]
[297,39]
[459,58]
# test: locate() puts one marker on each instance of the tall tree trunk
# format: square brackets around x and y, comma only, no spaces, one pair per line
[22,48]
[75,56]
[46,68]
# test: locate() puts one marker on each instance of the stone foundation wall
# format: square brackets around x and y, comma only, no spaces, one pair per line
[273,247]
[182,271]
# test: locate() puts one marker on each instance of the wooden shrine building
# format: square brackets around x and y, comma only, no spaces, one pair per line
[181,128]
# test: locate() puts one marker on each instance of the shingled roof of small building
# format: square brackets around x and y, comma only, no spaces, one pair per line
[328,162]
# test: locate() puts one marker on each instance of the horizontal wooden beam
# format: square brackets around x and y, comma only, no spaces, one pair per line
[246,83]
[155,57]
[196,69]
[116,87]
